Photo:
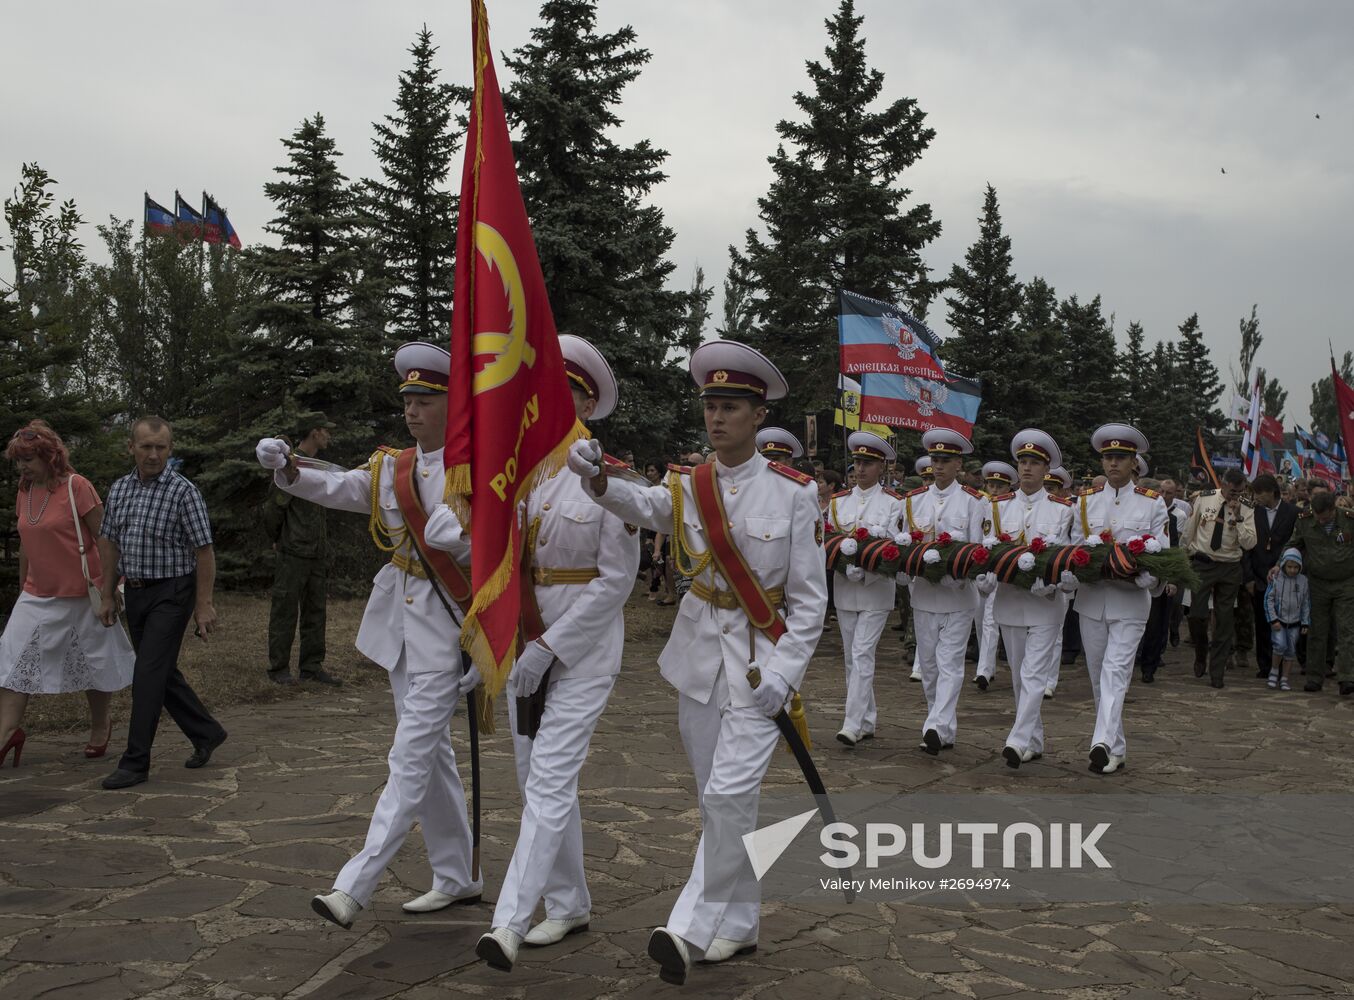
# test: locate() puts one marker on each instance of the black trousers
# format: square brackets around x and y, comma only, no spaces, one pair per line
[1155,635]
[1071,633]
[1264,647]
[157,615]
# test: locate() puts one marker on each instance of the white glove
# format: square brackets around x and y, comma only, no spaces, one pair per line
[272,453]
[952,583]
[1068,582]
[771,694]
[1041,589]
[855,574]
[529,669]
[585,458]
[468,682]
[1146,581]
[903,580]
[986,583]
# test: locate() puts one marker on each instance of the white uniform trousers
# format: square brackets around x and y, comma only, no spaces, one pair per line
[988,636]
[548,859]
[860,640]
[424,785]
[730,750]
[1110,648]
[942,639]
[1032,653]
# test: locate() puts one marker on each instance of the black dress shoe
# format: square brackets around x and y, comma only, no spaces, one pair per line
[322,677]
[203,753]
[1148,676]
[1216,683]
[124,779]
[1311,687]
[1175,639]
[1200,667]
[931,742]
[981,682]
[1262,672]
[1100,756]
[1346,689]
[286,680]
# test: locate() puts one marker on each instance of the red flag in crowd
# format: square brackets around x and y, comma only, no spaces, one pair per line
[510,414]
[1344,409]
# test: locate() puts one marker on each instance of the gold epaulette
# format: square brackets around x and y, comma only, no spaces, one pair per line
[684,470]
[843,493]
[1089,491]
[802,478]
[976,494]
[1145,491]
[1065,501]
[916,493]
[893,493]
[1004,497]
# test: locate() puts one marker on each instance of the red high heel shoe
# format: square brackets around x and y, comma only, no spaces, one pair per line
[92,751]
[17,742]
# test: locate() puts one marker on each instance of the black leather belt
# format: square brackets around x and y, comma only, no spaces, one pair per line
[138,584]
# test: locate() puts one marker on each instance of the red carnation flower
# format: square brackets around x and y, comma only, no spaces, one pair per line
[860,534]
[889,552]
[1005,536]
[1107,536]
[1037,545]
[1080,557]
[981,555]
[944,538]
[830,527]
[918,536]
[1137,546]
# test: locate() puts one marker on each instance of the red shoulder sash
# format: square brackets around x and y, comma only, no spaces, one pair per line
[448,573]
[728,560]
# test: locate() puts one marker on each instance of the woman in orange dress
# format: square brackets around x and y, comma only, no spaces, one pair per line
[54,642]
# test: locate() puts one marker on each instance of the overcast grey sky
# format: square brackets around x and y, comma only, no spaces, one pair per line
[1103,126]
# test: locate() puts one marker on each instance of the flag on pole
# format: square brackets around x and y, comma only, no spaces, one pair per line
[158,219]
[847,413]
[1344,409]
[1250,440]
[1270,429]
[189,218]
[920,404]
[216,224]
[1200,464]
[510,413]
[875,337]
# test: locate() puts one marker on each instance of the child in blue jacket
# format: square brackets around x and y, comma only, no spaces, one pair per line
[1288,609]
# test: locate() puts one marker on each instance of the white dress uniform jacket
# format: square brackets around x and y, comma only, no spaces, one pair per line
[875,509]
[776,526]
[960,511]
[1025,517]
[403,613]
[1127,512]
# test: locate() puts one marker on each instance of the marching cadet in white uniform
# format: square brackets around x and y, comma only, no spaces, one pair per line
[407,630]
[778,445]
[922,467]
[727,726]
[583,562]
[999,478]
[864,600]
[1059,484]
[1114,613]
[943,612]
[1031,619]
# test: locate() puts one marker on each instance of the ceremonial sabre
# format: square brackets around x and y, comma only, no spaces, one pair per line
[472,708]
[811,776]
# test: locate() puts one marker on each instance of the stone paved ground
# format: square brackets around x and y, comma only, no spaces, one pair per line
[197,884]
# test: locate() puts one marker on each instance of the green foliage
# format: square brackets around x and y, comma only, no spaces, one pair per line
[988,344]
[1135,370]
[603,250]
[1172,438]
[411,212]
[835,217]
[1198,405]
[1087,369]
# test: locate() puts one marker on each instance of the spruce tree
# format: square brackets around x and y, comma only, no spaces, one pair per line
[836,216]
[1198,406]
[987,342]
[411,209]
[1048,405]
[1135,368]
[1088,364]
[1171,438]
[603,249]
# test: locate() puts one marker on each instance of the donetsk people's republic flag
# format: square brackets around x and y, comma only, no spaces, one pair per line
[510,413]
[920,404]
[877,338]
[158,219]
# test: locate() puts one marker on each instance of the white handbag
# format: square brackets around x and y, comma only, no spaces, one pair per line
[95,595]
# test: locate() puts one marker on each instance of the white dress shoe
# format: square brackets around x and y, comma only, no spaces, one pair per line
[552,931]
[499,948]
[338,907]
[1115,763]
[1104,762]
[848,737]
[1048,693]
[671,954]
[432,901]
[914,676]
[722,949]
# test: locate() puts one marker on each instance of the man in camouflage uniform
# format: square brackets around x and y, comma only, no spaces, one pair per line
[297,530]
[1325,537]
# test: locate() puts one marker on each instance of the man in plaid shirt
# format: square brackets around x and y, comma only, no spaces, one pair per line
[155,531]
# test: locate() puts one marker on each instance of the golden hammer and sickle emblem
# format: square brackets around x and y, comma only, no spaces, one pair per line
[509,350]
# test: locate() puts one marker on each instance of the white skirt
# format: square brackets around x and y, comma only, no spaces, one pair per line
[56,645]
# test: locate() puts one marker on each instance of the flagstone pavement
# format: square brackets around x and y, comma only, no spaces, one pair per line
[198,883]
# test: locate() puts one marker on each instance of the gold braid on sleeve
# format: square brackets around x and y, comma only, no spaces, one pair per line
[677,540]
[387,539]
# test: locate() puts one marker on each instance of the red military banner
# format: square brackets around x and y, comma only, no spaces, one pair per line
[1271,429]
[510,414]
[1344,410]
